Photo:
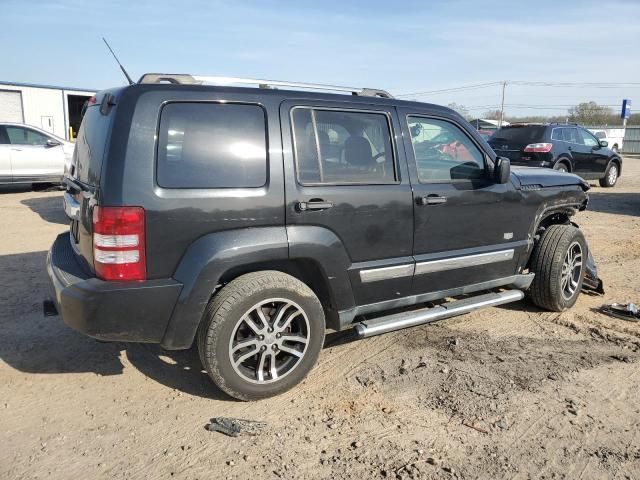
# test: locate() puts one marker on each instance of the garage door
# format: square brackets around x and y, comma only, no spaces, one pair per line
[11,106]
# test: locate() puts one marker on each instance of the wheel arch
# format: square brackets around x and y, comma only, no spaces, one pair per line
[555,215]
[314,255]
[618,162]
[566,161]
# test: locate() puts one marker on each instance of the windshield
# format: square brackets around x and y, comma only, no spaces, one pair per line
[528,134]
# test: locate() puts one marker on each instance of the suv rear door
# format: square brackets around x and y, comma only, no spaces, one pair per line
[345,174]
[468,229]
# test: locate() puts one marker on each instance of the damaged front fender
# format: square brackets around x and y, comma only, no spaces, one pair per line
[591,280]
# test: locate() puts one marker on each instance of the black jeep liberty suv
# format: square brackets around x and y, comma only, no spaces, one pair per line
[250,220]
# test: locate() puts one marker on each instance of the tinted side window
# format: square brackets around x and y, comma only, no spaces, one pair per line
[443,151]
[212,145]
[556,134]
[588,139]
[342,147]
[571,135]
[25,136]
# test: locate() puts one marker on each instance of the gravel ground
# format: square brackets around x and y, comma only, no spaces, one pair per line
[508,392]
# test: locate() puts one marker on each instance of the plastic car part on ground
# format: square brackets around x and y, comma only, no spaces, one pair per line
[234,427]
[625,311]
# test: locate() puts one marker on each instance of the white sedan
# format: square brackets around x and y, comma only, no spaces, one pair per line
[30,155]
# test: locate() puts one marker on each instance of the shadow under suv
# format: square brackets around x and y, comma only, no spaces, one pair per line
[565,147]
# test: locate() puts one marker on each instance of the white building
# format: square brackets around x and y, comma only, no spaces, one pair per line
[55,109]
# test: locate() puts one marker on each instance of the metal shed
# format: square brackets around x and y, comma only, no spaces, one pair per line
[52,108]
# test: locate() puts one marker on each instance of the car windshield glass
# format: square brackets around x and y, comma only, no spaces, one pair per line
[530,134]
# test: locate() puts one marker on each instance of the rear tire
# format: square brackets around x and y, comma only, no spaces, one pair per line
[261,335]
[610,176]
[558,261]
[561,167]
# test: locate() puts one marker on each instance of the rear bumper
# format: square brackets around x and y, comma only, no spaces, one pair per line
[117,311]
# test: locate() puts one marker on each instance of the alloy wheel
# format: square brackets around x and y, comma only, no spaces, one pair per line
[571,271]
[269,341]
[612,176]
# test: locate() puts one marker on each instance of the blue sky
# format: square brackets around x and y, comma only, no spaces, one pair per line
[402,47]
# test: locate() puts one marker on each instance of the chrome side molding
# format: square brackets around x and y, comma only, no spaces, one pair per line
[386,273]
[463,262]
[397,271]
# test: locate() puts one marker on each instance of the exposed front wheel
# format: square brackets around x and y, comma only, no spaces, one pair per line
[261,335]
[611,176]
[558,262]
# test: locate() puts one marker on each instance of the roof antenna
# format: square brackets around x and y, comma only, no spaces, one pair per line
[131,82]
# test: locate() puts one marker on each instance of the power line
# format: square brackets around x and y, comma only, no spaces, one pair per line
[448,90]
[525,83]
[576,84]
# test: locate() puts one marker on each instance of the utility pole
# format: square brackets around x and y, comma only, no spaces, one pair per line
[504,86]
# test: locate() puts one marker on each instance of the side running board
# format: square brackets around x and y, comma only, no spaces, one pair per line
[397,321]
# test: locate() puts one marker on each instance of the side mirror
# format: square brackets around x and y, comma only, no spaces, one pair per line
[502,170]
[52,143]
[604,143]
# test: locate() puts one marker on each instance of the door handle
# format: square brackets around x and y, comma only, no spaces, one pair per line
[16,149]
[431,200]
[314,204]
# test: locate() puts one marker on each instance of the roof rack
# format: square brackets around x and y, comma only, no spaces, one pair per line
[186,79]
[563,123]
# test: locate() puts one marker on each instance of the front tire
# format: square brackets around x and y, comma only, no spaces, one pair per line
[611,176]
[261,335]
[558,262]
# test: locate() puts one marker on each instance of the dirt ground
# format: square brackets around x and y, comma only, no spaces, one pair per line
[508,392]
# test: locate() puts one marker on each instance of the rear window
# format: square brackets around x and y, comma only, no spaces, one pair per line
[212,145]
[91,145]
[530,134]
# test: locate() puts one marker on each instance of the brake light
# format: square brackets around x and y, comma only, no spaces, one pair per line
[118,243]
[539,147]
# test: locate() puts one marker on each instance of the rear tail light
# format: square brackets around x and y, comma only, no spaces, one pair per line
[539,147]
[118,243]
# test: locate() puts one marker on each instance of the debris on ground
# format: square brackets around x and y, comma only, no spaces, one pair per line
[472,424]
[625,311]
[234,427]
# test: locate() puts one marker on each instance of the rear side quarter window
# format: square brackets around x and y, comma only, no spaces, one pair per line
[212,145]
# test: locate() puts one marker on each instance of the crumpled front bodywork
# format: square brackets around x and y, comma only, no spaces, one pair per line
[591,280]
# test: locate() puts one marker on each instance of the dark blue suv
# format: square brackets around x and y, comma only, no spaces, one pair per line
[566,147]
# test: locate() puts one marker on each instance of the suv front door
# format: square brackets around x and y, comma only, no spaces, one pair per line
[31,157]
[347,184]
[580,152]
[598,157]
[468,228]
[5,157]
